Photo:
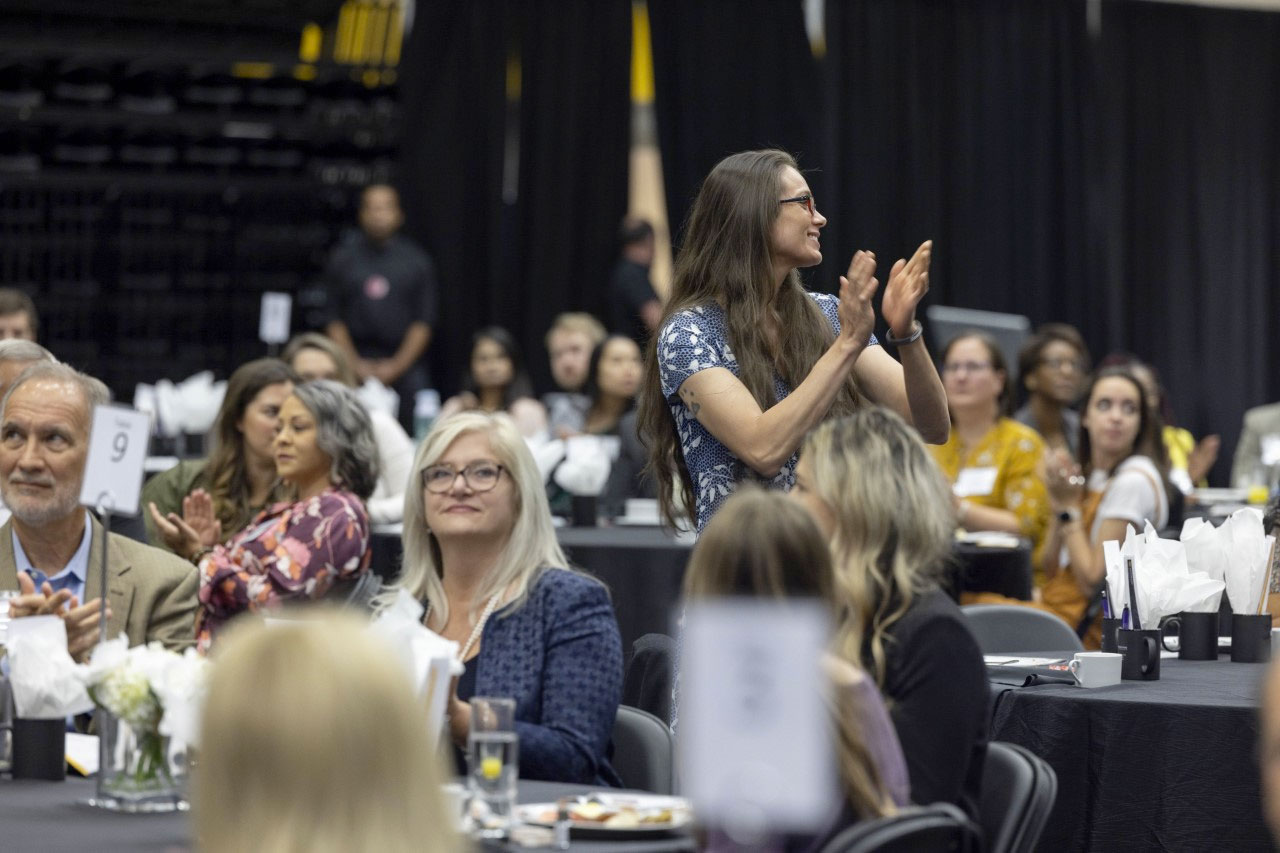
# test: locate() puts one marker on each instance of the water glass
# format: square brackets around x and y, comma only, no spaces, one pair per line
[493,760]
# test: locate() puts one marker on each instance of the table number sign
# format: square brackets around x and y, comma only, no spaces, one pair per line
[274,320]
[117,452]
[756,741]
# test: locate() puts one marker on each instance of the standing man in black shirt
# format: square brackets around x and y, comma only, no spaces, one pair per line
[382,298]
[634,309]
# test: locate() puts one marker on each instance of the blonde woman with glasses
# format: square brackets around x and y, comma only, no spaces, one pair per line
[480,553]
[885,509]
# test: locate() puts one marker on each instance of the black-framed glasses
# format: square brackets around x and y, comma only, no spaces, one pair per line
[479,476]
[805,200]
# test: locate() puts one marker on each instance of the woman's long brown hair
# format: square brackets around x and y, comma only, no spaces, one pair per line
[726,259]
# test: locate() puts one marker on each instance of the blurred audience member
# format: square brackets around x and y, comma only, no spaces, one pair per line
[1269,749]
[312,740]
[1257,459]
[570,342]
[1189,460]
[239,477]
[1053,365]
[18,317]
[1120,481]
[992,461]
[762,545]
[50,549]
[496,381]
[612,383]
[313,356]
[634,309]
[382,299]
[16,355]
[324,450]
[885,509]
[481,552]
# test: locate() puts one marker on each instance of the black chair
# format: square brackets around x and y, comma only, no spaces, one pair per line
[643,751]
[357,594]
[1018,791]
[1013,628]
[649,677]
[937,828]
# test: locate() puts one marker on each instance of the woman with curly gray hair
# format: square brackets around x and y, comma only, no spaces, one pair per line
[324,449]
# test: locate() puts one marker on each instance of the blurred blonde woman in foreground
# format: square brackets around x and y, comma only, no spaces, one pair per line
[313,740]
[762,545]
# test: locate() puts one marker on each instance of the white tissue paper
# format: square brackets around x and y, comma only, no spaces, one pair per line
[190,406]
[46,684]
[1162,577]
[376,397]
[431,660]
[585,468]
[1247,547]
[547,453]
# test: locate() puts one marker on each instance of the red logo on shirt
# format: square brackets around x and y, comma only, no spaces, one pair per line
[376,287]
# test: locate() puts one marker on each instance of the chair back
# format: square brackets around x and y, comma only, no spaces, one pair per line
[1018,792]
[643,751]
[936,828]
[1015,628]
[357,594]
[650,674]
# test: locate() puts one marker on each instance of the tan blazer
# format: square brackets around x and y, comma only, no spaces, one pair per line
[1258,422]
[152,594]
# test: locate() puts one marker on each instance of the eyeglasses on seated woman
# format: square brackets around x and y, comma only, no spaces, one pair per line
[480,554]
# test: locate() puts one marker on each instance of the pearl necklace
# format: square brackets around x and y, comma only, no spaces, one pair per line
[477,630]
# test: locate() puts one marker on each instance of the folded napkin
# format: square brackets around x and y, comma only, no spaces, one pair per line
[431,660]
[585,468]
[46,685]
[1162,577]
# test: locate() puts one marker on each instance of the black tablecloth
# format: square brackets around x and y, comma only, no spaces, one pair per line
[51,817]
[1147,765]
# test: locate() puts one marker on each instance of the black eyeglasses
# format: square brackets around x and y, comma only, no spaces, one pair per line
[479,476]
[806,200]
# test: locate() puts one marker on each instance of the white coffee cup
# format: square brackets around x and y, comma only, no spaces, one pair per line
[1096,669]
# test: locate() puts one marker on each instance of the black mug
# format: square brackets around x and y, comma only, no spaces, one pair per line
[1250,638]
[1109,628]
[585,509]
[1197,635]
[40,749]
[1141,650]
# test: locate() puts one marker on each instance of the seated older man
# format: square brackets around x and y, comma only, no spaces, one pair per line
[52,547]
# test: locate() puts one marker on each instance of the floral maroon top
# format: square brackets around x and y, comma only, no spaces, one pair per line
[289,551]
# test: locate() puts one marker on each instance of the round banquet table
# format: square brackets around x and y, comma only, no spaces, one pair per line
[1147,765]
[52,817]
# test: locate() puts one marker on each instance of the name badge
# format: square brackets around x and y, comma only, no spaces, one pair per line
[975,481]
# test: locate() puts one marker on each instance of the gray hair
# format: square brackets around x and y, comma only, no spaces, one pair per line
[15,349]
[344,433]
[94,391]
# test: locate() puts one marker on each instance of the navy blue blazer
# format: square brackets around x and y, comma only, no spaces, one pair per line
[560,657]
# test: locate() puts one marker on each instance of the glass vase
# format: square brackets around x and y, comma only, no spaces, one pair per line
[140,770]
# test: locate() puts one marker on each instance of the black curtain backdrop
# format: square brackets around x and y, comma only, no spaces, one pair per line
[731,75]
[965,122]
[1193,204]
[521,261]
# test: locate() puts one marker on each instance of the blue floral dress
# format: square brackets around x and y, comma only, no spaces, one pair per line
[695,340]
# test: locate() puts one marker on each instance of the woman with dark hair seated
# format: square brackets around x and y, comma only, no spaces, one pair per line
[885,508]
[762,545]
[239,477]
[324,450]
[480,552]
[496,381]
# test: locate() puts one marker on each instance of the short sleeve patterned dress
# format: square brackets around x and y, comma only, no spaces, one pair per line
[692,341]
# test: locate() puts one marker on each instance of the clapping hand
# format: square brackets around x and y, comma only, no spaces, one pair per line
[177,534]
[908,283]
[82,621]
[1063,479]
[197,512]
[857,317]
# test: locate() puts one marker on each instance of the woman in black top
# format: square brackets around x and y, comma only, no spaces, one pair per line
[886,509]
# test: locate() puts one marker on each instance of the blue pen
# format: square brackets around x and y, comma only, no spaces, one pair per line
[1124,618]
[1106,603]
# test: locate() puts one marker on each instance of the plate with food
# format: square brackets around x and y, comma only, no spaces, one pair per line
[613,815]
